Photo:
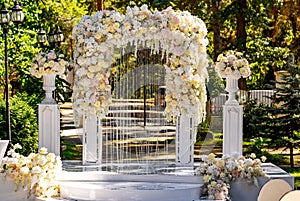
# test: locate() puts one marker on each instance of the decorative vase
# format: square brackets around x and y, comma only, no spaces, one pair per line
[49,87]
[3,146]
[231,88]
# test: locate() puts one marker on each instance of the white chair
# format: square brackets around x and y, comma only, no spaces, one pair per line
[291,196]
[273,190]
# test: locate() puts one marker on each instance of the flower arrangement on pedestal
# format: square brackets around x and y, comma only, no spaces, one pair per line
[232,65]
[36,172]
[48,63]
[219,172]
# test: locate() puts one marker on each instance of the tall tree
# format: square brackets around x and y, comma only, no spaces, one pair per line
[216,6]
[241,33]
[284,123]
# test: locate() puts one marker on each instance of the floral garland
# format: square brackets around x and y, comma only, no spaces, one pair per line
[232,65]
[219,172]
[36,172]
[48,63]
[179,35]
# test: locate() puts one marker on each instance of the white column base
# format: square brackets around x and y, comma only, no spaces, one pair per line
[92,141]
[49,127]
[232,129]
[185,132]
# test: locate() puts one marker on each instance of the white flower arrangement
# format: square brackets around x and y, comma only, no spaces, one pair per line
[180,37]
[36,172]
[232,65]
[48,63]
[219,172]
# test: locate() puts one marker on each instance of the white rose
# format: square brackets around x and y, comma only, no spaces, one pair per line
[36,170]
[24,170]
[43,150]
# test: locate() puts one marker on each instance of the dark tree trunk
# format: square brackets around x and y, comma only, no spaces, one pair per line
[291,147]
[241,34]
[241,25]
[216,28]
[100,5]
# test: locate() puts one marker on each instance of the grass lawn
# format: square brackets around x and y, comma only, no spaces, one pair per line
[71,152]
[295,172]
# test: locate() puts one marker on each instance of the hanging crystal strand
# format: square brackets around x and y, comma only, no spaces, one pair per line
[126,124]
[120,115]
[137,151]
[120,132]
[116,114]
[109,130]
[136,47]
[157,109]
[127,156]
[153,106]
[127,131]
[166,123]
[148,108]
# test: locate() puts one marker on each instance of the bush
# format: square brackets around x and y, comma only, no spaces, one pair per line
[24,127]
[257,146]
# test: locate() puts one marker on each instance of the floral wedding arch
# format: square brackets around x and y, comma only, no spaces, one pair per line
[180,37]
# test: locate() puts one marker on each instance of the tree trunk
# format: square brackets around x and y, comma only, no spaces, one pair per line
[216,27]
[100,5]
[241,25]
[241,34]
[291,147]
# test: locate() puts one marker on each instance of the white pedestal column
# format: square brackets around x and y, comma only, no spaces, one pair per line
[232,121]
[49,118]
[185,132]
[233,129]
[92,140]
[49,127]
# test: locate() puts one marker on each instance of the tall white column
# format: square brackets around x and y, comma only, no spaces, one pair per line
[185,132]
[49,118]
[232,121]
[92,140]
[49,127]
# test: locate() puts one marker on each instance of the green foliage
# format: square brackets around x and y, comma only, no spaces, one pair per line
[70,151]
[283,126]
[254,117]
[257,146]
[63,91]
[24,127]
[295,172]
[215,84]
[264,59]
[23,46]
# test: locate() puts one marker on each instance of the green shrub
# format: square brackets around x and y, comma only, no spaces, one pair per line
[254,117]
[24,127]
[257,146]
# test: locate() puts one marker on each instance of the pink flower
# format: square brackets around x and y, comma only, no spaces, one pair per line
[51,55]
[166,33]
[231,59]
[219,195]
[175,20]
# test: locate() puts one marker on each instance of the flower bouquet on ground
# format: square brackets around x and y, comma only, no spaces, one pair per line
[48,63]
[232,65]
[219,172]
[36,173]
